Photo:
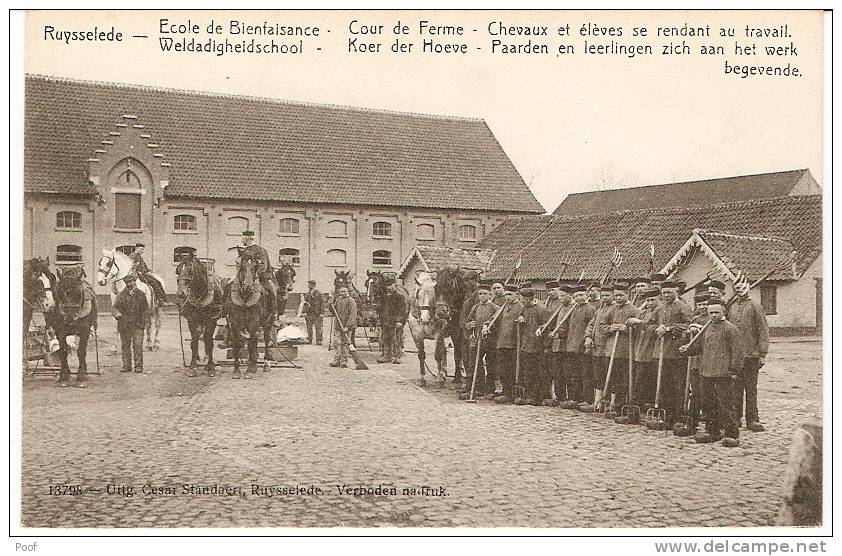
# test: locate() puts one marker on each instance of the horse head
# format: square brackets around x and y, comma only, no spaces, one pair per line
[107,268]
[285,277]
[192,277]
[431,303]
[343,278]
[69,288]
[246,280]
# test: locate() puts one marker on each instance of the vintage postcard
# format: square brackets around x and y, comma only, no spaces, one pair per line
[419,271]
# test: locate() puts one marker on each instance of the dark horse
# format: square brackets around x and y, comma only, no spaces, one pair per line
[366,315]
[375,291]
[285,278]
[455,286]
[74,314]
[247,312]
[38,284]
[200,302]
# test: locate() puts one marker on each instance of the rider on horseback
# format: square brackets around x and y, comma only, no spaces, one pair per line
[141,270]
[264,272]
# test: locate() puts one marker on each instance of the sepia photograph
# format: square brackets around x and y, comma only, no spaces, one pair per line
[418,271]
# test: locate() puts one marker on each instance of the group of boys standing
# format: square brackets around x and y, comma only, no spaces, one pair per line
[563,348]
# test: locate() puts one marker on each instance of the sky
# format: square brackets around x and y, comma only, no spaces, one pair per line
[568,124]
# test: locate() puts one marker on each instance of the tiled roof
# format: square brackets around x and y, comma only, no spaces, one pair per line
[435,258]
[753,255]
[224,146]
[683,194]
[546,243]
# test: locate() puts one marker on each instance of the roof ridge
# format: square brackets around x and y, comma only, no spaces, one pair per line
[740,236]
[676,210]
[688,181]
[195,92]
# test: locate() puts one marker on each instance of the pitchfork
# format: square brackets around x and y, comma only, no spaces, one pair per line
[630,412]
[656,418]
[518,391]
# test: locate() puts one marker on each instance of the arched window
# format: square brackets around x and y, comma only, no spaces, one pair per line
[183,250]
[381,229]
[425,231]
[126,249]
[237,225]
[289,255]
[467,232]
[184,222]
[337,228]
[69,220]
[381,258]
[288,226]
[68,254]
[336,257]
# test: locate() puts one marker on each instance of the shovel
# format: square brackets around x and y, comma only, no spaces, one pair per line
[476,369]
[518,391]
[656,418]
[600,403]
[630,412]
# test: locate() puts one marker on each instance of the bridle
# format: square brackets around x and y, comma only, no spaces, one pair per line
[112,264]
[38,305]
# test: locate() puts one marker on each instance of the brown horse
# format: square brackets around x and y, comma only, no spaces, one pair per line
[200,303]
[429,319]
[247,312]
[285,277]
[74,314]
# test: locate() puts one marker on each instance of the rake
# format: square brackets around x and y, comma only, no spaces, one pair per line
[630,412]
[600,404]
[656,418]
[518,391]
[686,425]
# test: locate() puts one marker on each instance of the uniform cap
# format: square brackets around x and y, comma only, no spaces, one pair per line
[659,277]
[580,288]
[651,292]
[551,285]
[248,233]
[701,297]
[642,280]
[669,284]
[717,284]
[139,244]
[129,278]
[510,288]
[567,288]
[621,286]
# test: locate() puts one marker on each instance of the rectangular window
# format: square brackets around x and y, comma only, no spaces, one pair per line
[127,211]
[769,299]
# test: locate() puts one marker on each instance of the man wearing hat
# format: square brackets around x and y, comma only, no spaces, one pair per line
[393,315]
[506,328]
[552,367]
[673,318]
[748,316]
[657,278]
[640,284]
[132,314]
[498,294]
[577,372]
[472,284]
[481,313]
[141,269]
[313,312]
[645,345]
[532,316]
[618,334]
[720,352]
[264,271]
[600,348]
[594,297]
[700,318]
[716,291]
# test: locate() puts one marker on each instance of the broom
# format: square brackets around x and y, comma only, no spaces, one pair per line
[358,361]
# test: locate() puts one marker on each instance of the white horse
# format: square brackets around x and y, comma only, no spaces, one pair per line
[113,267]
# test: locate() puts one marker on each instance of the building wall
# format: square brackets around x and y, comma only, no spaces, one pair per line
[796,300]
[217,235]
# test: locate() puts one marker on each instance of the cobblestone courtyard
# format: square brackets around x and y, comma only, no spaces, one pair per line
[498,465]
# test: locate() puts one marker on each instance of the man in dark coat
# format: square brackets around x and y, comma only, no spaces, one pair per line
[573,330]
[141,269]
[132,313]
[313,312]
[617,334]
[393,315]
[505,329]
[672,317]
[645,345]
[720,352]
[748,316]
[532,316]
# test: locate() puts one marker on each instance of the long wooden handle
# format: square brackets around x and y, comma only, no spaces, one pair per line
[660,372]
[564,319]
[517,354]
[476,369]
[610,363]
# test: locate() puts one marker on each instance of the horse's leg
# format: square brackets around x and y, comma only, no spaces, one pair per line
[236,342]
[82,353]
[441,360]
[64,371]
[419,345]
[458,366]
[251,368]
[210,328]
[156,345]
[195,333]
